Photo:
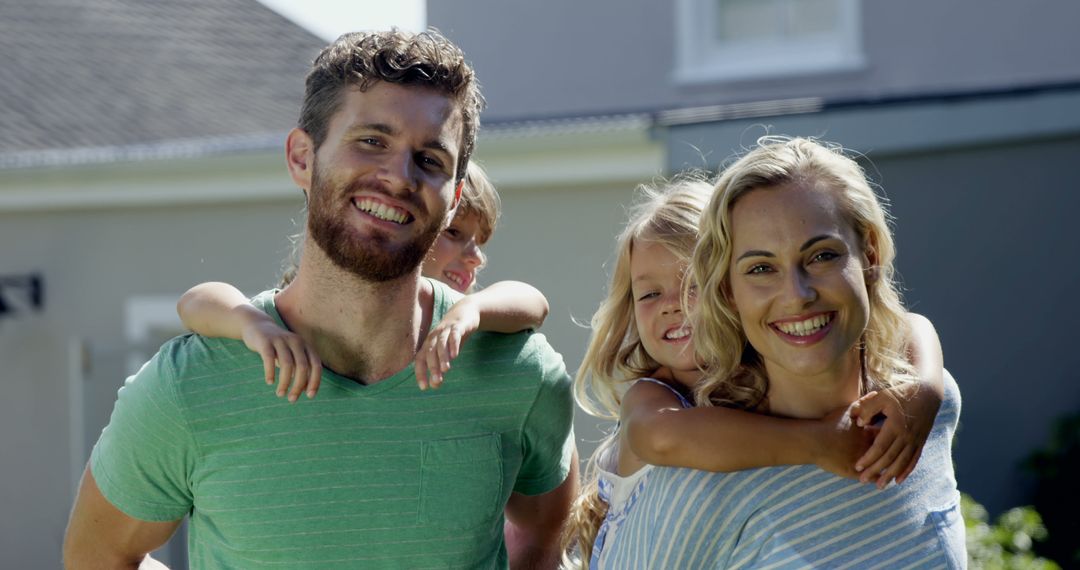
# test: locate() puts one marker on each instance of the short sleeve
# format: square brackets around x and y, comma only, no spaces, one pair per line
[144,458]
[548,435]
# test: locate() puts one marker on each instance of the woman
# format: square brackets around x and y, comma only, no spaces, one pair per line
[797,315]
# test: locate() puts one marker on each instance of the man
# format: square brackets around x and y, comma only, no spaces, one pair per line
[373,472]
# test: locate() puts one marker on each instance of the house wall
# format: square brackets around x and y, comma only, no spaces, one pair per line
[577,58]
[63,365]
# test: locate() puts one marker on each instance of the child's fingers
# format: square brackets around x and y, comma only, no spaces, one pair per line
[868,406]
[285,365]
[315,377]
[896,467]
[438,360]
[445,352]
[882,442]
[910,466]
[434,363]
[300,373]
[454,343]
[423,362]
[887,458]
[269,360]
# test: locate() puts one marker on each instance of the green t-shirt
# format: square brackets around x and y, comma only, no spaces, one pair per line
[362,476]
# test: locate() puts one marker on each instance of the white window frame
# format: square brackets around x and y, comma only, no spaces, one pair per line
[700,59]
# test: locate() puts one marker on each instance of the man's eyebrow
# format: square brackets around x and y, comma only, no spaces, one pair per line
[378,127]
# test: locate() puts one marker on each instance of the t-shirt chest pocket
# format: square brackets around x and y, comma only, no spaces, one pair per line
[461,481]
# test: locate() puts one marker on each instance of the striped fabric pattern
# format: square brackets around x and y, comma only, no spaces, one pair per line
[799,516]
[361,476]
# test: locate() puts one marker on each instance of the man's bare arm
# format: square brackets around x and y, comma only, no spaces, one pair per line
[100,535]
[534,523]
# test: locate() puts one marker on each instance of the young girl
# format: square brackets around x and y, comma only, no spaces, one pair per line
[221,310]
[640,368]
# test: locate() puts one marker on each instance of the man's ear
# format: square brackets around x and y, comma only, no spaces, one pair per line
[300,157]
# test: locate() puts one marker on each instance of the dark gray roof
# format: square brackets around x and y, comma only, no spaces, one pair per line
[79,74]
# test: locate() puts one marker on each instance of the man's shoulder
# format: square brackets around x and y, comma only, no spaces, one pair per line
[525,351]
[191,359]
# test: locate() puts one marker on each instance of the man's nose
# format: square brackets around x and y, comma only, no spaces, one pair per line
[399,170]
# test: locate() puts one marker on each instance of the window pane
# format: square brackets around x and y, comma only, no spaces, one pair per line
[741,20]
[812,17]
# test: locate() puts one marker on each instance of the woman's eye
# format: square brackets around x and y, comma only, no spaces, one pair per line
[826,256]
[647,296]
[758,269]
[452,232]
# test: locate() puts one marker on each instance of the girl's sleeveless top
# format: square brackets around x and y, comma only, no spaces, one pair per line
[620,492]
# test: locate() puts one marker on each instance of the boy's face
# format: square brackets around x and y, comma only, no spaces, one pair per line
[456,257]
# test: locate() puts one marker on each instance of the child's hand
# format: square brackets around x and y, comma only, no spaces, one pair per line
[444,341]
[298,363]
[841,442]
[909,416]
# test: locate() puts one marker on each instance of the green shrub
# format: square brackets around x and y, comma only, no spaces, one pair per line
[1007,544]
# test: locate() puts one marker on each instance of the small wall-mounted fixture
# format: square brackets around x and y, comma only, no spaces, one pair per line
[21,293]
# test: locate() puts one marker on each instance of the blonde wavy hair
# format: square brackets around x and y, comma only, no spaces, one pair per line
[667,214]
[734,373]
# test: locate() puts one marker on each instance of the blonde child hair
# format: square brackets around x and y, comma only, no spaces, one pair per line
[734,373]
[616,357]
[478,197]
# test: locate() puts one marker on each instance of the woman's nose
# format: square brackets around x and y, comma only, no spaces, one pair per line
[800,287]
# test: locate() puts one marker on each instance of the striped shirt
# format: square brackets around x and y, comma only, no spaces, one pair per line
[799,516]
[362,476]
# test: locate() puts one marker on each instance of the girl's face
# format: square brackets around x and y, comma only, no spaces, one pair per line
[656,277]
[456,257]
[797,279]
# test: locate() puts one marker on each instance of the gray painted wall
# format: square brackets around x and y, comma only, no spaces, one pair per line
[987,242]
[92,261]
[563,57]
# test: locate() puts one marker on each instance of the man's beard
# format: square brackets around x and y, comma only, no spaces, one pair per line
[372,258]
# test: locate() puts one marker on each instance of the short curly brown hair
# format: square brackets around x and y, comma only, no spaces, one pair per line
[360,59]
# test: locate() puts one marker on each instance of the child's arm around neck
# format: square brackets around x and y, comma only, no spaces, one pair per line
[656,429]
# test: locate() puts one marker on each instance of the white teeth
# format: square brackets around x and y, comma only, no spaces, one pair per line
[806,327]
[454,278]
[382,211]
[677,334]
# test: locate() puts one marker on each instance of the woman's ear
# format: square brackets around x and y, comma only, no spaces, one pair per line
[871,263]
[725,290]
